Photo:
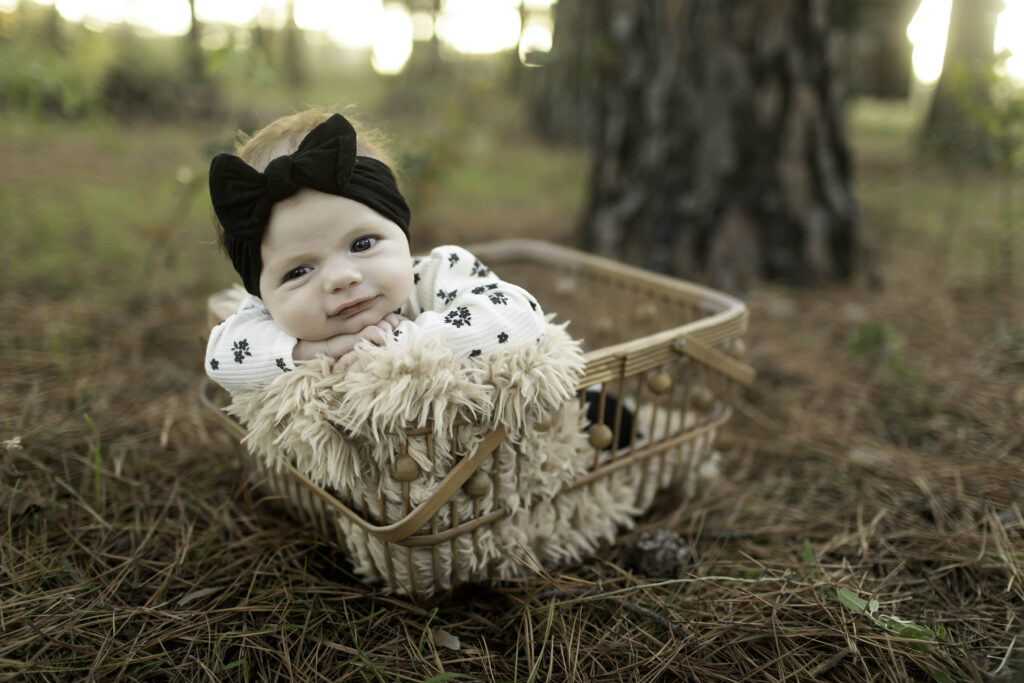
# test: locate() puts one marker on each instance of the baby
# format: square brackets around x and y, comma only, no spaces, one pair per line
[316,227]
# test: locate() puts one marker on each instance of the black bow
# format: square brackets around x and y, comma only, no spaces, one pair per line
[325,161]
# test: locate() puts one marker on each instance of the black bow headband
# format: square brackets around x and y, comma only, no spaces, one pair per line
[325,161]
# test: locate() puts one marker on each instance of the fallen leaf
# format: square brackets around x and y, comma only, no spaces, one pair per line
[444,639]
[195,595]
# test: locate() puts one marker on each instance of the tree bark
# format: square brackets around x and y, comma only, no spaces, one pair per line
[950,131]
[561,96]
[195,63]
[719,149]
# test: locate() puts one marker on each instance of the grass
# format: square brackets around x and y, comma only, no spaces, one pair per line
[867,525]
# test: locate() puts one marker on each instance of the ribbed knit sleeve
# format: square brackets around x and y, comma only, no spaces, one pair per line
[248,349]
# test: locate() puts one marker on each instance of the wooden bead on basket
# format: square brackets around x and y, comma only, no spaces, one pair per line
[738,349]
[702,399]
[478,485]
[659,382]
[600,436]
[405,469]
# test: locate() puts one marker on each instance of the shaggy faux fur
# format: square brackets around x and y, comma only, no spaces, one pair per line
[345,430]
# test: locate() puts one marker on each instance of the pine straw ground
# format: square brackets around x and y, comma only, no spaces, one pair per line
[867,525]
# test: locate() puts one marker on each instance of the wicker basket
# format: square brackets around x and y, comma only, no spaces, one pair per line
[664,353]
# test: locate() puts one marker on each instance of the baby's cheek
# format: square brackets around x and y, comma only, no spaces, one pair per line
[285,313]
[407,285]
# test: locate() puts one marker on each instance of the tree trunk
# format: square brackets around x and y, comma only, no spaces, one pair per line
[560,96]
[950,131]
[719,150]
[880,52]
[294,64]
[195,63]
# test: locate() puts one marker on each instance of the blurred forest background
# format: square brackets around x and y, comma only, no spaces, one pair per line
[852,170]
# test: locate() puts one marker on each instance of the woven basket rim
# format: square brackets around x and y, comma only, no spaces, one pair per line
[728,316]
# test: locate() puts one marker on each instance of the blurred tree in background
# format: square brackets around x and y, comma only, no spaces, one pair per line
[950,131]
[195,62]
[294,65]
[879,63]
[717,135]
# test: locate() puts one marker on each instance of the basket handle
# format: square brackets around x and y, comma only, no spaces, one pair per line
[417,517]
[722,362]
[408,525]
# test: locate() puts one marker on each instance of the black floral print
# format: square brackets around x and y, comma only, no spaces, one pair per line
[447,297]
[474,353]
[453,258]
[214,364]
[458,317]
[485,288]
[415,278]
[479,269]
[280,364]
[533,304]
[499,298]
[241,350]
[502,338]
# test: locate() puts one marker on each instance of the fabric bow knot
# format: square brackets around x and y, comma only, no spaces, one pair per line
[243,197]
[279,179]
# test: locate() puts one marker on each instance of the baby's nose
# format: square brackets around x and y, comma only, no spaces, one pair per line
[341,273]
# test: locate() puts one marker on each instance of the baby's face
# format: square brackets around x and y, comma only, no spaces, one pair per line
[331,266]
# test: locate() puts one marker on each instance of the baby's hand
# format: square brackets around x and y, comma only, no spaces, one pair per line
[377,334]
[339,345]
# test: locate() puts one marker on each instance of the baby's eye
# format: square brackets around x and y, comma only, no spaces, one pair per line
[363,243]
[296,273]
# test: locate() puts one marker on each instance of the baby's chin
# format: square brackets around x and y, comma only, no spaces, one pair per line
[353,325]
[310,334]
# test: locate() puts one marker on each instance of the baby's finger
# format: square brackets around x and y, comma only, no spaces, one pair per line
[394,320]
[345,362]
[375,335]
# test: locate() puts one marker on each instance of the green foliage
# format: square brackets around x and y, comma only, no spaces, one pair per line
[132,89]
[930,640]
[56,68]
[1001,116]
[904,396]
[1002,119]
[881,346]
[42,80]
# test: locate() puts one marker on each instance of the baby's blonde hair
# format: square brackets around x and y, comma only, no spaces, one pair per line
[283,136]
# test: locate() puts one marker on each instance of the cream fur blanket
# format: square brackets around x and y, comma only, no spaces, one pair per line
[345,431]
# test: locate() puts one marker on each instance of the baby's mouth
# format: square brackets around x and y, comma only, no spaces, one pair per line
[351,309]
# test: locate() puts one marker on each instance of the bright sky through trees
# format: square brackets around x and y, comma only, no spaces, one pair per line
[928,29]
[472,26]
